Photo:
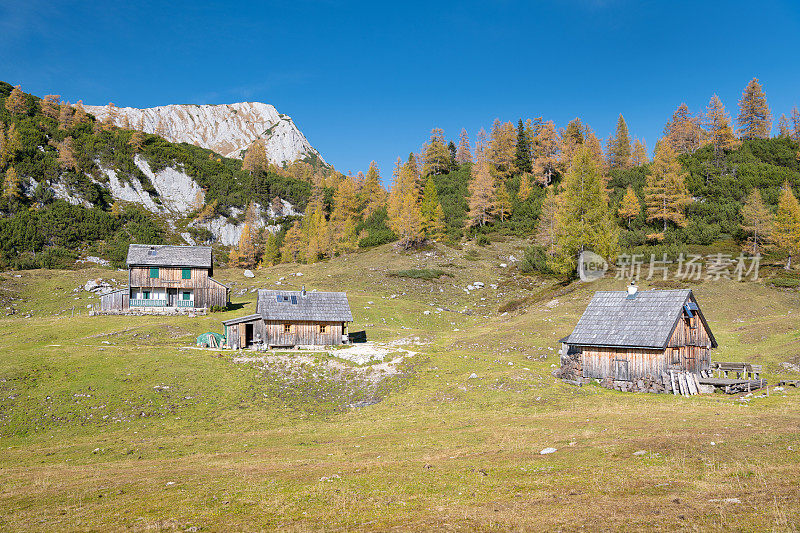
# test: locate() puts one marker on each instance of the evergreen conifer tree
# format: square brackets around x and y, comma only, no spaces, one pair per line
[583,220]
[619,146]
[522,159]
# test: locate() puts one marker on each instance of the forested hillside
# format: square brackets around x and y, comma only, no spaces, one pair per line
[710,178]
[60,167]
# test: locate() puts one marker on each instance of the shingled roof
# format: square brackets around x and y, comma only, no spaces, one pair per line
[297,305]
[647,320]
[168,255]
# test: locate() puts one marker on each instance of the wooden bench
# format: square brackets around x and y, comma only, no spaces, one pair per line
[743,370]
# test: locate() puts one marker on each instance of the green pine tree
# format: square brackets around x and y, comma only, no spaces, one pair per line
[584,220]
[523,156]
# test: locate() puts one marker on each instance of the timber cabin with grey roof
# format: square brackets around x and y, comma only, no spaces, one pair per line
[628,335]
[167,278]
[290,319]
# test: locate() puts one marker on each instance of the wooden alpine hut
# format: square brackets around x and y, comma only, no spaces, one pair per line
[166,278]
[289,319]
[632,335]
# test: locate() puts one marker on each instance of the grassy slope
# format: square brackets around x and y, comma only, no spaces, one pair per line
[227,447]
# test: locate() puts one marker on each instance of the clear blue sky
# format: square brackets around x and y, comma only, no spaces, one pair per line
[368,80]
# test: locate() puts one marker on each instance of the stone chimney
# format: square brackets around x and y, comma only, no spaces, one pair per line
[633,290]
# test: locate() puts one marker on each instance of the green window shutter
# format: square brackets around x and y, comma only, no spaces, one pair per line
[146,295]
[186,296]
[186,273]
[153,272]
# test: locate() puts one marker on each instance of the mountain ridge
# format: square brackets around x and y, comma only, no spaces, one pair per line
[228,129]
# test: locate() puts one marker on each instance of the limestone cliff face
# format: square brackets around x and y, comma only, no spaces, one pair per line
[227,129]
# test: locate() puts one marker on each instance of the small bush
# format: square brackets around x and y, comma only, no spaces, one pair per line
[535,260]
[420,273]
[785,283]
[483,240]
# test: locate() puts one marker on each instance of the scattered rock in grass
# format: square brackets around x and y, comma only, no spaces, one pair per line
[248,274]
[726,500]
[547,451]
[98,286]
[640,452]
[552,303]
[473,376]
[791,367]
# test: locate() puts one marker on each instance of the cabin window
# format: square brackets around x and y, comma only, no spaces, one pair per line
[153,272]
[281,298]
[287,328]
[323,328]
[187,296]
[294,300]
[186,273]
[676,356]
[145,295]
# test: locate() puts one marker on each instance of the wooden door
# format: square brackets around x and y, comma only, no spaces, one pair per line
[690,358]
[621,370]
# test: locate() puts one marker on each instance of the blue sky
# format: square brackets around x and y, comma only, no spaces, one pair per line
[368,80]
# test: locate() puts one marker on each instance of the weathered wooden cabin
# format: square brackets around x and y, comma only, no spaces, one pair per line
[290,319]
[165,278]
[631,335]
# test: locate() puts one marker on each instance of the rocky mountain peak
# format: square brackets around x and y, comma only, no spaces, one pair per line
[228,129]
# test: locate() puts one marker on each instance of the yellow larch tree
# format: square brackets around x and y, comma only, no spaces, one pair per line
[481,190]
[66,154]
[545,150]
[436,156]
[683,132]
[755,118]
[11,185]
[758,222]
[525,188]
[344,215]
[51,105]
[293,249]
[718,127]
[373,196]
[502,149]
[666,196]
[639,156]
[787,224]
[405,218]
[546,227]
[502,202]
[463,153]
[316,229]
[17,102]
[255,158]
[65,117]
[630,207]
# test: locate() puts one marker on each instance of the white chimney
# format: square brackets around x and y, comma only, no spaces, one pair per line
[303,291]
[632,290]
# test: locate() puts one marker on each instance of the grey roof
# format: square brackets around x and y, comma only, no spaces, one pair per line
[239,320]
[168,255]
[315,306]
[646,321]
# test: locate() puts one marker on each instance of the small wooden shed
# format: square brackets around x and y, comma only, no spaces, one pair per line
[292,318]
[630,335]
